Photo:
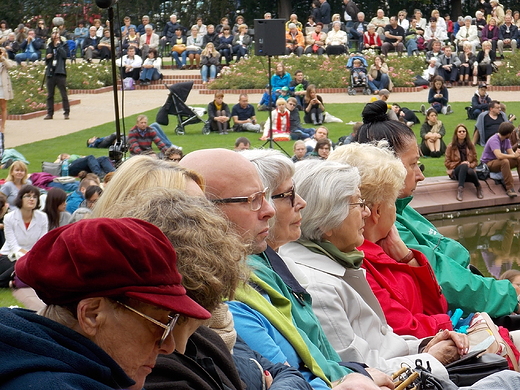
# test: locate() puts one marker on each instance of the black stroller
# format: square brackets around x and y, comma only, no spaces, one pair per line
[175,105]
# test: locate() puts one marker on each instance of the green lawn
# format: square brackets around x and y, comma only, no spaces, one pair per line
[193,139]
[6,298]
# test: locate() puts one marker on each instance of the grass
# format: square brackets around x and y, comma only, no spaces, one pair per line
[6,298]
[193,139]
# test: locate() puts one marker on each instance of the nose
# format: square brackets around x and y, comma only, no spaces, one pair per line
[168,346]
[418,174]
[300,202]
[266,211]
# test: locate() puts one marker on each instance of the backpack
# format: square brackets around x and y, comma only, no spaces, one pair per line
[482,171]
[128,84]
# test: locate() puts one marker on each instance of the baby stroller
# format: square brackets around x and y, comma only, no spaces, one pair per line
[358,76]
[175,105]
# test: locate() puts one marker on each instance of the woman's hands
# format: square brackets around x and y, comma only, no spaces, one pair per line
[448,346]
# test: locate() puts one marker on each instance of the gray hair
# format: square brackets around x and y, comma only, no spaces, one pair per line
[370,25]
[327,187]
[148,26]
[273,167]
[468,18]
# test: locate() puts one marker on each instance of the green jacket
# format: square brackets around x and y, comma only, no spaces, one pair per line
[449,261]
[301,313]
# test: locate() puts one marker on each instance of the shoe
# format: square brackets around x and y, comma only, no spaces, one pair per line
[449,110]
[66,116]
[221,133]
[47,117]
[423,109]
[448,85]
[410,124]
[226,133]
[8,163]
[460,191]
[511,193]
[479,192]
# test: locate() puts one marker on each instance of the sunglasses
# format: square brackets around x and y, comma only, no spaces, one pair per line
[255,200]
[291,194]
[172,320]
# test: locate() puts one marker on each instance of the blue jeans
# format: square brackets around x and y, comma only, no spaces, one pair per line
[240,51]
[180,63]
[100,166]
[375,85]
[27,56]
[212,70]
[157,127]
[227,54]
[150,74]
[301,133]
[411,46]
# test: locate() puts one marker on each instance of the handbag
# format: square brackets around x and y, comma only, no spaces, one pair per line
[475,366]
[179,48]
[52,168]
[482,171]
[484,335]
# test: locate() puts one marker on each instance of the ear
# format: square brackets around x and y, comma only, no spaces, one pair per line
[375,213]
[91,313]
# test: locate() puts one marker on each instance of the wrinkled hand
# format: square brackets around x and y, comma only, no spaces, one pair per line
[448,346]
[360,382]
[393,245]
[380,378]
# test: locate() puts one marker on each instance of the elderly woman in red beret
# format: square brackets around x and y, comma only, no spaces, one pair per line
[111,308]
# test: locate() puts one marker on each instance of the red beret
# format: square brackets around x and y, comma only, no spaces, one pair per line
[107,258]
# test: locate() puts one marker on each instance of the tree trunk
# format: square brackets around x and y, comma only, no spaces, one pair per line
[284,9]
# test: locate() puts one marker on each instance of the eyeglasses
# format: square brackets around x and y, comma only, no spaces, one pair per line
[29,196]
[291,194]
[255,200]
[172,320]
[362,203]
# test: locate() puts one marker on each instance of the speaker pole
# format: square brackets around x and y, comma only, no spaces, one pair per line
[115,152]
[271,140]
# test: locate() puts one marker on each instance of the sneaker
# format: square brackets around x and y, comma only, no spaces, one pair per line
[423,109]
[511,193]
[449,110]
[410,123]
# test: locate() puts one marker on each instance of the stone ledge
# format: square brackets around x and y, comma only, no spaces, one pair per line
[438,195]
[36,114]
[318,90]
[89,91]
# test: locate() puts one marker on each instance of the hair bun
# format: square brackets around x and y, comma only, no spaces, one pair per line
[375,112]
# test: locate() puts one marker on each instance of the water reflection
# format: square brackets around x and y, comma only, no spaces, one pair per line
[493,240]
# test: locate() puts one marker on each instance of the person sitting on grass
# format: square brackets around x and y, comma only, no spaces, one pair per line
[219,114]
[313,106]
[141,136]
[173,154]
[100,166]
[298,132]
[438,97]
[278,126]
[243,114]
[432,131]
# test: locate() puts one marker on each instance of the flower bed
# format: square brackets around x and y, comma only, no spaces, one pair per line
[508,71]
[323,71]
[27,81]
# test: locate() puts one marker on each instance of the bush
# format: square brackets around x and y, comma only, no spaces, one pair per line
[27,81]
[324,71]
[508,71]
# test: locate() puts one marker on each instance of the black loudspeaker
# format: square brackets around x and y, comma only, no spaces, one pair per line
[269,37]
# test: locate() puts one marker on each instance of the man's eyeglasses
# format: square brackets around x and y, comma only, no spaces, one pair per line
[255,200]
[172,320]
[291,194]
[362,203]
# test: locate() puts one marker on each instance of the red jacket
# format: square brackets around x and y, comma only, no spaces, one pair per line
[411,298]
[372,40]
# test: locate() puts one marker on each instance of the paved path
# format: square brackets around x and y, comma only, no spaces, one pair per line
[99,109]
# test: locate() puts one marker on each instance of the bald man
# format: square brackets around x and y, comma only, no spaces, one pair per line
[232,182]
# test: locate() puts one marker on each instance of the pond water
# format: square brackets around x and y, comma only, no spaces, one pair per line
[492,236]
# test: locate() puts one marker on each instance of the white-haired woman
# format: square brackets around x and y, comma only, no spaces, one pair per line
[468,33]
[392,269]
[326,255]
